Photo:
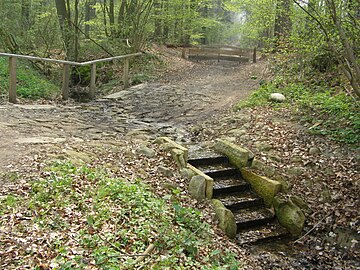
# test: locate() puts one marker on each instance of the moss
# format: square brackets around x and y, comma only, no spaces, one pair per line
[238,156]
[226,219]
[263,186]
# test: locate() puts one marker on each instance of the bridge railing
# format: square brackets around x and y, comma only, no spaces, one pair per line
[66,71]
[220,52]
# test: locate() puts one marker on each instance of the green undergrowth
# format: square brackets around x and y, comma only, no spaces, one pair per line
[79,217]
[30,83]
[326,111]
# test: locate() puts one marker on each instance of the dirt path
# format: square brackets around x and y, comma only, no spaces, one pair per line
[165,107]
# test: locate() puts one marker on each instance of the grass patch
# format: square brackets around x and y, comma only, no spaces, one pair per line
[30,83]
[80,217]
[335,114]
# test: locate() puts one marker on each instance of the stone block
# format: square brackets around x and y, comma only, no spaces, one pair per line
[179,157]
[197,187]
[266,188]
[237,155]
[289,215]
[226,219]
[209,180]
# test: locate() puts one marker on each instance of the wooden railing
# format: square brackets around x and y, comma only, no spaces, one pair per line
[66,71]
[220,52]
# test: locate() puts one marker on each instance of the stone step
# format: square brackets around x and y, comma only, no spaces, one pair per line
[250,217]
[224,172]
[208,160]
[227,185]
[240,200]
[261,233]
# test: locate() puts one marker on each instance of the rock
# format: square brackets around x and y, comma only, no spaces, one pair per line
[238,156]
[237,132]
[167,144]
[209,181]
[242,118]
[274,157]
[277,97]
[197,187]
[165,171]
[146,151]
[269,171]
[179,157]
[79,157]
[295,171]
[266,188]
[314,151]
[296,159]
[289,215]
[226,219]
[187,173]
[264,147]
[301,203]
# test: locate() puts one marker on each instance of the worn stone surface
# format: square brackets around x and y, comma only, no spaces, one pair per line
[314,151]
[263,186]
[226,219]
[197,187]
[238,156]
[289,215]
[277,97]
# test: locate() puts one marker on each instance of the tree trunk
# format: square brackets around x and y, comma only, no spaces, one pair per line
[282,26]
[25,14]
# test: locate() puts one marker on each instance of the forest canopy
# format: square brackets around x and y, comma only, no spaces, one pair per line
[318,34]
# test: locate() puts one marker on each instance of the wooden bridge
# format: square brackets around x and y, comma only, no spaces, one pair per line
[220,52]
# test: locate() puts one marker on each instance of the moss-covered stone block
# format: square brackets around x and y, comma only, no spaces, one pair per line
[197,187]
[226,219]
[209,180]
[179,157]
[289,215]
[263,186]
[167,144]
[237,155]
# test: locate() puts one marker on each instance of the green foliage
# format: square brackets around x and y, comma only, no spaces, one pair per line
[95,220]
[337,113]
[30,83]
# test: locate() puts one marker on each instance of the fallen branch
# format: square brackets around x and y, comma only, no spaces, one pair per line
[313,228]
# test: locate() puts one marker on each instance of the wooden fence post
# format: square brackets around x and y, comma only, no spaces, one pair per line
[12,79]
[126,73]
[93,81]
[65,83]
[254,55]
[183,53]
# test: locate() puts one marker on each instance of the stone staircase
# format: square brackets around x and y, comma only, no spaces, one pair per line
[254,221]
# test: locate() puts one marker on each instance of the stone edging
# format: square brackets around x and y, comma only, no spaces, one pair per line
[288,209]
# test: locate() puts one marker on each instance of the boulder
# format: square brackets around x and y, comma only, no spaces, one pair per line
[301,203]
[197,187]
[226,219]
[277,97]
[289,215]
[238,156]
[146,151]
[263,186]
[167,144]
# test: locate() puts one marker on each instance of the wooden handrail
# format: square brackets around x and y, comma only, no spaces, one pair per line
[66,71]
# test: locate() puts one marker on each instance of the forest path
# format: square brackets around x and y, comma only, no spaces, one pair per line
[168,106]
